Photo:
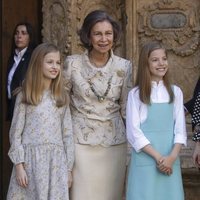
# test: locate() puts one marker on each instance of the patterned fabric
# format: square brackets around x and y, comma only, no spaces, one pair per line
[196,118]
[41,137]
[96,121]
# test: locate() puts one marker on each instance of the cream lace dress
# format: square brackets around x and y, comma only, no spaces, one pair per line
[41,138]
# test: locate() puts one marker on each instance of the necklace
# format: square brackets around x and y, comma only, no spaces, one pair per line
[100,98]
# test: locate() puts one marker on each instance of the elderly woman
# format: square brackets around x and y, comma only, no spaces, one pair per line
[100,82]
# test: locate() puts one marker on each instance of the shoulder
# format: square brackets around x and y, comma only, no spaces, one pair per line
[28,52]
[74,57]
[177,90]
[122,64]
[121,61]
[73,60]
[134,92]
[19,97]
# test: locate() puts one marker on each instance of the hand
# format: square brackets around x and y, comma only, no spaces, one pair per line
[196,155]
[69,179]
[21,175]
[164,165]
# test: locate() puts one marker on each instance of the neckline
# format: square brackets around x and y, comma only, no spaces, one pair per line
[86,55]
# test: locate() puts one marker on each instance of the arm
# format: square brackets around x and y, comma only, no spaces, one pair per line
[16,151]
[190,104]
[67,71]
[68,142]
[180,136]
[126,87]
[135,135]
[166,163]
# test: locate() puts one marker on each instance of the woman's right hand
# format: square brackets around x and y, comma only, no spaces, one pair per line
[196,155]
[21,175]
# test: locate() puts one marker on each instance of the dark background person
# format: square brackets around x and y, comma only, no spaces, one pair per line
[100,83]
[190,104]
[22,46]
[193,107]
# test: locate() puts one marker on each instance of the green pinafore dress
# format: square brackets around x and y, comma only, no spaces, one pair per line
[145,182]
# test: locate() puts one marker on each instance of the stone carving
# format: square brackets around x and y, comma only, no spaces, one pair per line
[180,31]
[56,23]
[63,18]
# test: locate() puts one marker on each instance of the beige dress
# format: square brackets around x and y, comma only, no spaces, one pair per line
[98,101]
[41,138]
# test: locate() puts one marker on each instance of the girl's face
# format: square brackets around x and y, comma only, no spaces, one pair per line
[21,37]
[101,37]
[158,64]
[51,67]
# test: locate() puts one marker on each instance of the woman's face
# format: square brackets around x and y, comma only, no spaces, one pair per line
[51,67]
[158,64]
[21,37]
[101,37]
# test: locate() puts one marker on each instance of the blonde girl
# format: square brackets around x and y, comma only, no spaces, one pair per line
[42,148]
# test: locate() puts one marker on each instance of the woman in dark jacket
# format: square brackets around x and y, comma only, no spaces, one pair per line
[22,47]
[190,104]
[193,107]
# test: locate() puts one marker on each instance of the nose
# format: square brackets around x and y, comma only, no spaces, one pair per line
[18,35]
[161,62]
[55,65]
[103,38]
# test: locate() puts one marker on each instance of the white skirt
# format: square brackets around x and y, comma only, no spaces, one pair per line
[99,172]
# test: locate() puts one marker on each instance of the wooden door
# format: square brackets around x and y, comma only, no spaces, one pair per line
[12,12]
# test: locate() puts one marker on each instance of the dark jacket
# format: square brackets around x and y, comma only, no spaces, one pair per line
[190,104]
[17,80]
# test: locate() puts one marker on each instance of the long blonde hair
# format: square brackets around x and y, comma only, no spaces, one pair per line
[143,79]
[33,86]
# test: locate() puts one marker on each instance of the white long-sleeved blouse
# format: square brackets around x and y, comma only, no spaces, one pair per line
[136,114]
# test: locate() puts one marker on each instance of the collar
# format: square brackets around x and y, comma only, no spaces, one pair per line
[20,53]
[154,84]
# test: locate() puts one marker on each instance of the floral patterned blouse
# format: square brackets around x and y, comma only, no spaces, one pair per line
[41,125]
[98,99]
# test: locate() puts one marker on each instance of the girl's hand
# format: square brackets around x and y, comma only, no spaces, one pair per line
[21,175]
[165,165]
[196,155]
[69,179]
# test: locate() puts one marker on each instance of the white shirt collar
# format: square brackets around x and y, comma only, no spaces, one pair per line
[20,53]
[154,84]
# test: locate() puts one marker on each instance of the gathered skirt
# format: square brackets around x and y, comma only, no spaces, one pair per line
[46,168]
[99,172]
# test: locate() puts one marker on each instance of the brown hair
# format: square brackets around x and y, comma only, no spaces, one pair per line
[90,20]
[143,79]
[33,87]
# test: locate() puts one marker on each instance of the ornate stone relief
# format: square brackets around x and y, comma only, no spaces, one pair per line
[63,18]
[56,23]
[174,23]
